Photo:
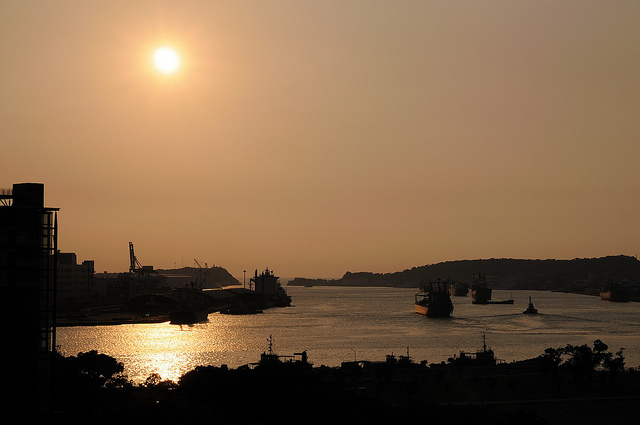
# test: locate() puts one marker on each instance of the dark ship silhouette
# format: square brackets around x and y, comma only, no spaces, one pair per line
[480,292]
[530,308]
[484,357]
[434,300]
[459,289]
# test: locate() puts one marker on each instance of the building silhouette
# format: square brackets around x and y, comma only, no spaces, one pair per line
[28,271]
[75,282]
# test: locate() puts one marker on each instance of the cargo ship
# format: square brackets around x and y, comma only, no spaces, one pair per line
[480,292]
[459,289]
[434,300]
[268,284]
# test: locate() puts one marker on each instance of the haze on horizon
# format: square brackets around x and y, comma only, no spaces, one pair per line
[316,138]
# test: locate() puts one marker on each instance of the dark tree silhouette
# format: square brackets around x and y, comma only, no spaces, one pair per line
[550,362]
[614,365]
[583,360]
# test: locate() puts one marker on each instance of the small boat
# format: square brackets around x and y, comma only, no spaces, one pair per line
[480,358]
[434,300]
[530,308]
[271,359]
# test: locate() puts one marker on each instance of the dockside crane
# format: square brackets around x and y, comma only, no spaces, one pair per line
[203,275]
[134,264]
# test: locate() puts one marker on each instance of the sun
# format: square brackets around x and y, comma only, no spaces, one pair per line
[166,60]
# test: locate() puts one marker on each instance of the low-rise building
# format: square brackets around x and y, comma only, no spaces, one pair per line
[75,281]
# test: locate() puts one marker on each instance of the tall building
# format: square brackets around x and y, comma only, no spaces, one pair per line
[28,263]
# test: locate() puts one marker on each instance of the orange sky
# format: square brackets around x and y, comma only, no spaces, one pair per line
[321,137]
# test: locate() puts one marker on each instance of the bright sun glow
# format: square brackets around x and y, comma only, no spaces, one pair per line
[166,60]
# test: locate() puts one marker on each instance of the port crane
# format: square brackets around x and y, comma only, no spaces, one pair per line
[203,275]
[134,264]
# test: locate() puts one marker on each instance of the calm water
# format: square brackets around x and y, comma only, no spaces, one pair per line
[340,324]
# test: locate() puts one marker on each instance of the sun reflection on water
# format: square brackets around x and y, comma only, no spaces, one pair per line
[172,350]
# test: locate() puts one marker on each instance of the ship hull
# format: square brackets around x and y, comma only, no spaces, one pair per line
[422,310]
[481,295]
[434,311]
[434,301]
[614,297]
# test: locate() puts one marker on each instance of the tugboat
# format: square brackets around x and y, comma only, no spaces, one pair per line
[271,359]
[434,300]
[484,357]
[530,308]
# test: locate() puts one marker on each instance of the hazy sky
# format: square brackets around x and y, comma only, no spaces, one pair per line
[319,137]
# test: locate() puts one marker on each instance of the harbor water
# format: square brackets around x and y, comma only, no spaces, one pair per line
[336,324]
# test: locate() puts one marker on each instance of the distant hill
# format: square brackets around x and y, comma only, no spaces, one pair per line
[501,272]
[215,276]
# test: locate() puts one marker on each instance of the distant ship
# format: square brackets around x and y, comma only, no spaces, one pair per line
[459,289]
[268,284]
[613,292]
[434,300]
[480,292]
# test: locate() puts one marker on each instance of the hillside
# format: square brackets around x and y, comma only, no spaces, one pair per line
[215,276]
[502,272]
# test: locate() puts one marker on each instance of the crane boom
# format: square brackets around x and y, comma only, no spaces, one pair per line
[203,275]
[134,264]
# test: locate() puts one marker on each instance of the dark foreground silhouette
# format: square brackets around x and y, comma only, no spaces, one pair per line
[569,385]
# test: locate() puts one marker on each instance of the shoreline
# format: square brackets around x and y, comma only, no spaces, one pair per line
[109,320]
